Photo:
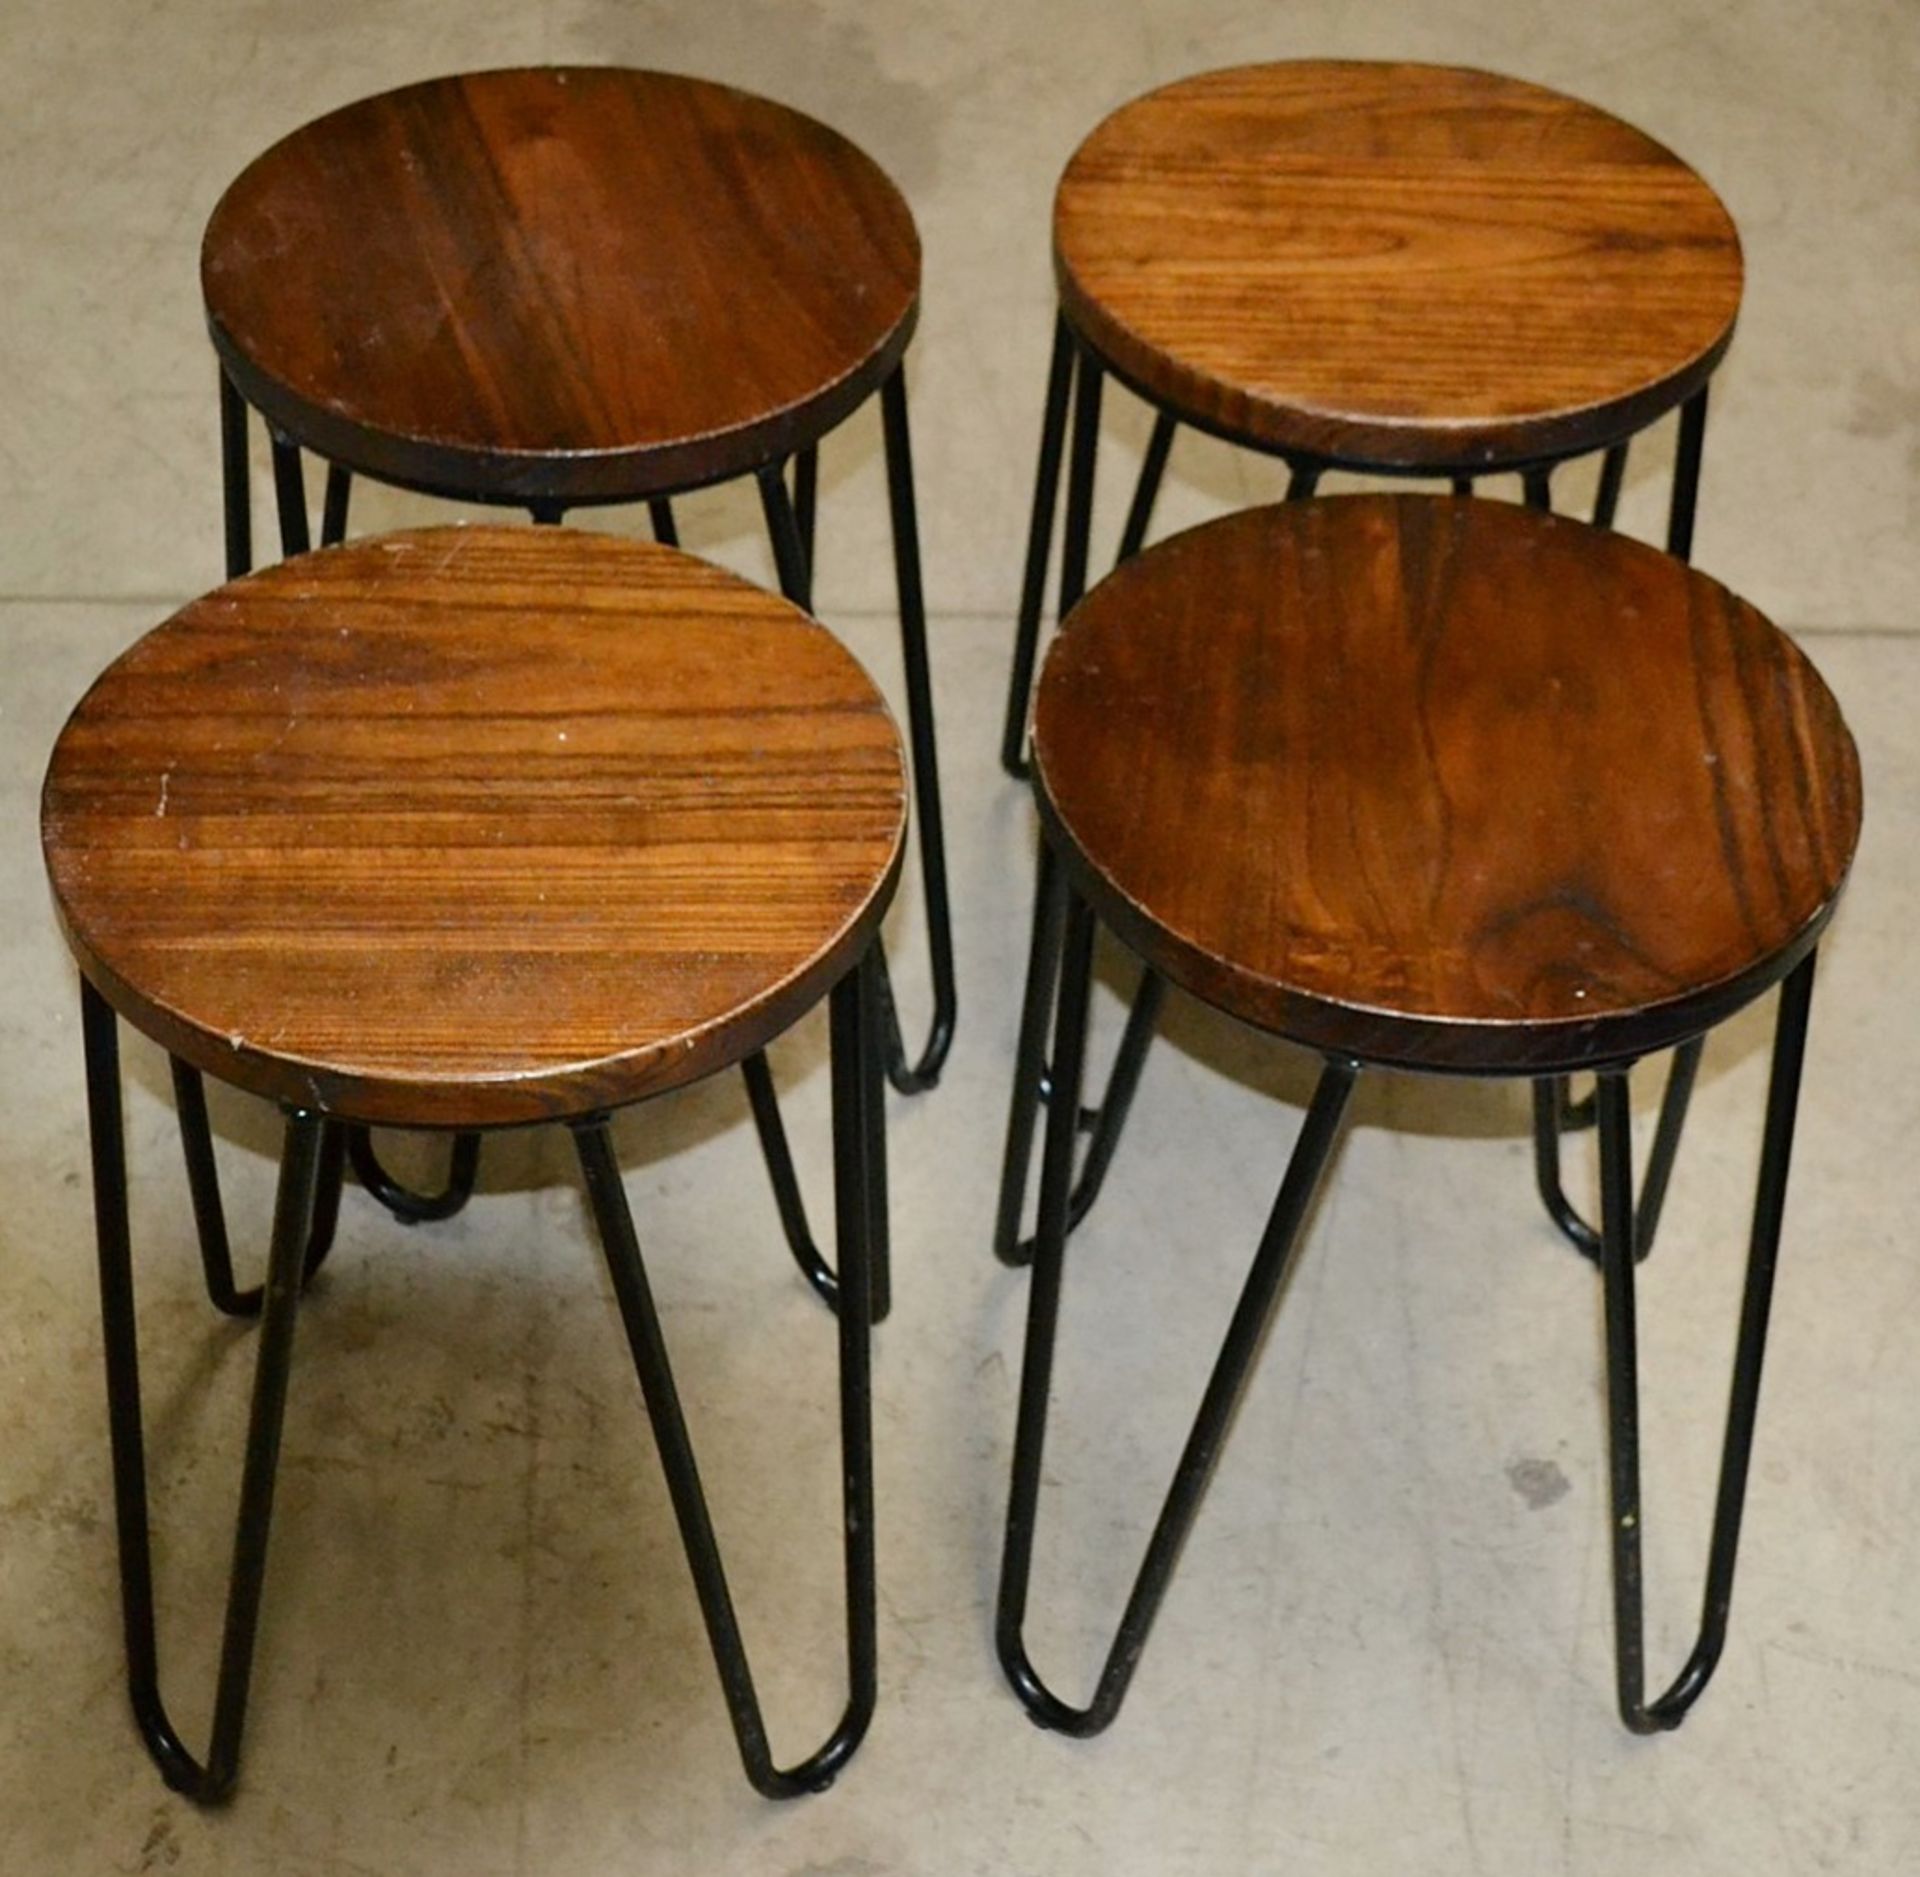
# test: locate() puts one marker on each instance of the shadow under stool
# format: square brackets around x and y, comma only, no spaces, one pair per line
[466,829]
[554,289]
[1396,269]
[1448,787]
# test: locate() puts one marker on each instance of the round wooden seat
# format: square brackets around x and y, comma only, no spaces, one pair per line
[475,826]
[1445,784]
[1397,266]
[572,284]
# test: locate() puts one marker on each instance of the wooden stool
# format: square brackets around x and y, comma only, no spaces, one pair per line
[1397,269]
[468,829]
[1443,786]
[556,288]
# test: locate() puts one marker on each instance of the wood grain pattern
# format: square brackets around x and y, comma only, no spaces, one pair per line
[1445,784]
[1408,266]
[576,284]
[468,827]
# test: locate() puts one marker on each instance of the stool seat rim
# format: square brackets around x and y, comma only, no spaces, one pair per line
[375,341]
[1221,291]
[1414,923]
[439,857]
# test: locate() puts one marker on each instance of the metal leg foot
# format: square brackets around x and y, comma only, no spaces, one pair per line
[1311,1154]
[210,1781]
[1623,1423]
[856,1095]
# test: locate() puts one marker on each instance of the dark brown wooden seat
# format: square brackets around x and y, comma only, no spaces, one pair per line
[558,286]
[1404,269]
[1412,266]
[563,285]
[468,828]
[1444,783]
[1435,784]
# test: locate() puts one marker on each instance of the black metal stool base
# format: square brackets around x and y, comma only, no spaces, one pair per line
[1623,1222]
[304,1212]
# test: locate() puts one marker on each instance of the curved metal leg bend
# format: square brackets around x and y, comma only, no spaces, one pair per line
[209,1213]
[1549,1092]
[1312,1152]
[1032,1087]
[1668,1710]
[407,1205]
[856,1098]
[212,1780]
[772,1129]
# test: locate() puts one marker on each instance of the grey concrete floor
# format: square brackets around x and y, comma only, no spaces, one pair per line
[1388,1646]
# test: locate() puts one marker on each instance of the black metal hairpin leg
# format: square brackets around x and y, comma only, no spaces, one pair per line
[806,498]
[407,1205]
[1555,1111]
[333,505]
[236,483]
[209,1214]
[1549,1120]
[1033,584]
[1032,1085]
[1623,1430]
[790,564]
[794,568]
[292,1233]
[289,494]
[765,1104]
[856,1094]
[912,1078]
[1606,498]
[660,514]
[1685,499]
[1153,470]
[1312,1152]
[1086,375]
[1105,1123]
[1075,552]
